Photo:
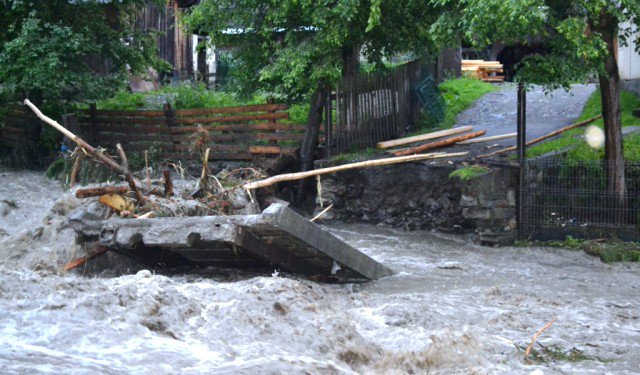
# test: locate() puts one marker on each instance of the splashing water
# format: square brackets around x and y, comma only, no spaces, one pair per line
[453,307]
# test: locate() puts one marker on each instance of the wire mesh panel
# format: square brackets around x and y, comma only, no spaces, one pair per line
[563,198]
[431,99]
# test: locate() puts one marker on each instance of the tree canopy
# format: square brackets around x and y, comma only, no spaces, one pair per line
[582,36]
[572,30]
[47,46]
[293,46]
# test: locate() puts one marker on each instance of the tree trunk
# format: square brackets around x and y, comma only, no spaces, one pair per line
[611,112]
[310,142]
[350,61]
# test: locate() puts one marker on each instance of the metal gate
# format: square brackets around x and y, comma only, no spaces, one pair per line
[561,198]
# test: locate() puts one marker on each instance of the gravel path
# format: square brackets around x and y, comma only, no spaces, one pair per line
[496,112]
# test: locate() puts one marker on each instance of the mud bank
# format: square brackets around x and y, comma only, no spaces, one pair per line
[454,307]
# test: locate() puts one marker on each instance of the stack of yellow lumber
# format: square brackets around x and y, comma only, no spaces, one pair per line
[488,71]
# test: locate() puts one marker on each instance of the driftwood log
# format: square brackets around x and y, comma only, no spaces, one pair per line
[424,137]
[438,144]
[540,139]
[363,164]
[105,159]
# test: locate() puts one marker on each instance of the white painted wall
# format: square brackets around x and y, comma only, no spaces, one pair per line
[628,58]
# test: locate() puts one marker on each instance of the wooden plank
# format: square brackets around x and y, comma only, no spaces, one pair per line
[239,118]
[488,139]
[145,129]
[231,156]
[424,137]
[131,120]
[240,127]
[236,109]
[12,136]
[141,137]
[125,113]
[12,130]
[438,144]
[244,137]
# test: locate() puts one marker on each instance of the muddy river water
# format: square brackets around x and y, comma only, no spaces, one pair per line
[453,307]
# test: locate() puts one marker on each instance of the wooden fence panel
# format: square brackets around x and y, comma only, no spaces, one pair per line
[236,133]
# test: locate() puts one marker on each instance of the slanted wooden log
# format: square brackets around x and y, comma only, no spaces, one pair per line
[488,139]
[540,139]
[438,144]
[110,163]
[363,164]
[424,137]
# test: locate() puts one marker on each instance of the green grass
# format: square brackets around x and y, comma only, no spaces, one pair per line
[579,150]
[188,96]
[468,172]
[610,250]
[459,94]
[350,157]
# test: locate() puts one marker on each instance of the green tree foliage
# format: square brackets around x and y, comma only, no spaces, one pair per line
[582,36]
[294,46]
[47,45]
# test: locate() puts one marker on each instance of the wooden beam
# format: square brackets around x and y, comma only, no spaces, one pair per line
[363,164]
[424,137]
[540,139]
[488,139]
[438,144]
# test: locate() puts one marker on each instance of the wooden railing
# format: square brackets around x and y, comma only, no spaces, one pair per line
[235,133]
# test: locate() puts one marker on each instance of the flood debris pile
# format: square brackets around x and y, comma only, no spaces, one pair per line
[215,222]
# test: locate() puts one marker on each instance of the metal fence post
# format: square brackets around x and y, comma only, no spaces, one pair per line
[522,146]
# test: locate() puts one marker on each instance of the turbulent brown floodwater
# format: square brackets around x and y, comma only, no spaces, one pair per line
[453,307]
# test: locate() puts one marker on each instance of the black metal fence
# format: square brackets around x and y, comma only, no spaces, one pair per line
[371,108]
[563,198]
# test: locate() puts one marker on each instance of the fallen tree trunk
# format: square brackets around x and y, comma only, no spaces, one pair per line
[540,139]
[438,144]
[488,139]
[363,164]
[110,163]
[424,137]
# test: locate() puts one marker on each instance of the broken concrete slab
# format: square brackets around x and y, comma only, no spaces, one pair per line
[278,237]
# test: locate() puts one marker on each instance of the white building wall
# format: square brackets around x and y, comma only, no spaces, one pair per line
[628,58]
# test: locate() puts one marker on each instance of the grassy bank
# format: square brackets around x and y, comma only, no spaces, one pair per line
[574,140]
[608,250]
[459,94]
[187,96]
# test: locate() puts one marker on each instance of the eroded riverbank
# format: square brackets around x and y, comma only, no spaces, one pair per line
[454,307]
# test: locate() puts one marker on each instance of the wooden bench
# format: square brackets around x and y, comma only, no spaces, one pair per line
[236,133]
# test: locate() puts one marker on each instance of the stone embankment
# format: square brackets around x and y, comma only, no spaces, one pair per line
[425,196]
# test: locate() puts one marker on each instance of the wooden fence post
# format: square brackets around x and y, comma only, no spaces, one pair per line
[93,114]
[170,117]
[272,142]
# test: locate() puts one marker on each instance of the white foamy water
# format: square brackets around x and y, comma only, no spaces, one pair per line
[453,307]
